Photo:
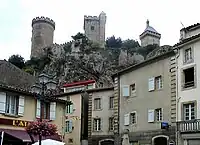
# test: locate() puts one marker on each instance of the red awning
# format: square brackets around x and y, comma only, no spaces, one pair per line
[23,135]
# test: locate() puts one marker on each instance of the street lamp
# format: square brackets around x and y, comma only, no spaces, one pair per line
[45,83]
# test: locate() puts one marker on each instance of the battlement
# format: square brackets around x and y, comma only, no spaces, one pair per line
[91,18]
[43,19]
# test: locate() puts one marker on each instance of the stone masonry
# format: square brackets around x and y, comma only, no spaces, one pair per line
[42,35]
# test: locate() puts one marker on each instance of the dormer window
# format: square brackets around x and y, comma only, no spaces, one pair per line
[188,55]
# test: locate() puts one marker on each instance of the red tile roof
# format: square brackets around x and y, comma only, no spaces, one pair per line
[79,83]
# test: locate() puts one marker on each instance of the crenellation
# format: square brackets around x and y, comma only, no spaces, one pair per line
[43,19]
[91,17]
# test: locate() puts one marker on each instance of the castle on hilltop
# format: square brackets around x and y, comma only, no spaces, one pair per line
[42,35]
[43,32]
[94,28]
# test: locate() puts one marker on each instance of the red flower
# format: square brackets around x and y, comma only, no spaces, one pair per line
[43,128]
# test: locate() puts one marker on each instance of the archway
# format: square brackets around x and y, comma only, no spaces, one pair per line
[160,140]
[106,142]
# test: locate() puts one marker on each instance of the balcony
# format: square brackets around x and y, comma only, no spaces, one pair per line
[189,126]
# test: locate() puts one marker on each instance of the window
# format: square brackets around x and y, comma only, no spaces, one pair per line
[46,111]
[158,113]
[97,124]
[68,126]
[188,77]
[97,103]
[12,104]
[189,111]
[132,89]
[188,55]
[158,82]
[69,108]
[133,117]
[111,102]
[92,27]
[111,123]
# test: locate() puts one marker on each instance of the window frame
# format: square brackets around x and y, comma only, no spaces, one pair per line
[195,110]
[158,82]
[158,114]
[47,109]
[98,123]
[183,78]
[131,117]
[111,124]
[95,104]
[16,104]
[111,104]
[191,60]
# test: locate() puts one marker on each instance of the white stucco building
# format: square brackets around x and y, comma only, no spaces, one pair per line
[188,86]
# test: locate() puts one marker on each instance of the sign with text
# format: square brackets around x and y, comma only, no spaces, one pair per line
[14,122]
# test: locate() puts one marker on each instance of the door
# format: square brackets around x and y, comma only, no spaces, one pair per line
[160,141]
[107,142]
[193,142]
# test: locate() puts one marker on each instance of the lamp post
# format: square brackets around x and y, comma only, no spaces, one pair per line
[45,83]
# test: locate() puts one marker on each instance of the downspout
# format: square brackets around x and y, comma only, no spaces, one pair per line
[177,54]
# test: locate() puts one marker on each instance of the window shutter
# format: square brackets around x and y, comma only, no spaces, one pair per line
[71,108]
[151,84]
[151,115]
[125,91]
[21,106]
[2,102]
[38,109]
[52,110]
[127,119]
[70,125]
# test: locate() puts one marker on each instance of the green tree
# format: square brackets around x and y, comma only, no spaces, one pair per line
[130,45]
[112,42]
[17,60]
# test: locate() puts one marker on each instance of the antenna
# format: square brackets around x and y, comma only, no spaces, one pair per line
[182,25]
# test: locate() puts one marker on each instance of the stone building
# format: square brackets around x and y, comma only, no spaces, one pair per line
[42,35]
[187,89]
[143,101]
[102,128]
[94,27]
[149,36]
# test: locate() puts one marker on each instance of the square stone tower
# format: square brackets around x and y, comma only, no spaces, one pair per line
[150,36]
[94,27]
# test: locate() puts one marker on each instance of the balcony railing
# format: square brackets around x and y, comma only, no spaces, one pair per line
[189,126]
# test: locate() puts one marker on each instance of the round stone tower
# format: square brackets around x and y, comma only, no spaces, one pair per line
[42,35]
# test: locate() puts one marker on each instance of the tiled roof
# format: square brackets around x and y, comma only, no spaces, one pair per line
[187,40]
[22,91]
[13,76]
[191,26]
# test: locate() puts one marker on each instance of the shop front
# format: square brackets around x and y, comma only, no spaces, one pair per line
[18,135]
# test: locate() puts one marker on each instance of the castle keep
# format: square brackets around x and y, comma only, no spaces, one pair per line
[94,27]
[42,34]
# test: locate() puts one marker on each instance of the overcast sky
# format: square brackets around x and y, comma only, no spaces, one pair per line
[125,19]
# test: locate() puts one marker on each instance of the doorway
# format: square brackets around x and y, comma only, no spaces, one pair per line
[107,142]
[160,141]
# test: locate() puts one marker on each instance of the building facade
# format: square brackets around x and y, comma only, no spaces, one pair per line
[143,103]
[18,108]
[102,128]
[94,27]
[150,36]
[187,70]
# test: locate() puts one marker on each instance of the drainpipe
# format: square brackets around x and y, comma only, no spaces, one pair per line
[177,54]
